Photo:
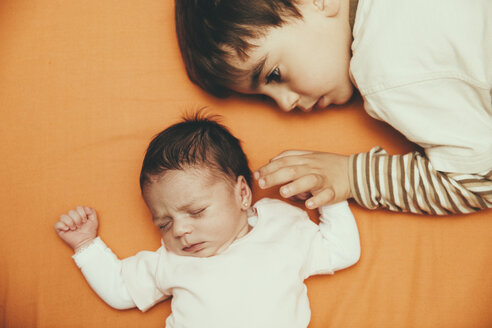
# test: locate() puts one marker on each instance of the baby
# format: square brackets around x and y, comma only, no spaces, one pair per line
[225,262]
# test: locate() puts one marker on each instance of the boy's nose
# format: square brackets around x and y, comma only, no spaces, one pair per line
[287,100]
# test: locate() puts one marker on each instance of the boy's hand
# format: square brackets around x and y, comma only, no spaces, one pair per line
[78,226]
[321,178]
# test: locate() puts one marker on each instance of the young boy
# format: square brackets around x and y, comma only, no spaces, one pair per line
[225,263]
[424,67]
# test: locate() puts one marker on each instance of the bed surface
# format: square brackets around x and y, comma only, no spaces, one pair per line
[84,85]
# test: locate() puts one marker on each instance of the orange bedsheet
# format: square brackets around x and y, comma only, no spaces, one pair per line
[84,85]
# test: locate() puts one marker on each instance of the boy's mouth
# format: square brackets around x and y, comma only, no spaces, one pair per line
[193,248]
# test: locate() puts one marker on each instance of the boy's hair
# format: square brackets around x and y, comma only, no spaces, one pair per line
[211,32]
[197,140]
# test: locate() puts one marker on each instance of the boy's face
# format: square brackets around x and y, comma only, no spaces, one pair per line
[304,63]
[199,212]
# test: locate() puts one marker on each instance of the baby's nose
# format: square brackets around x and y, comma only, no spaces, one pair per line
[181,228]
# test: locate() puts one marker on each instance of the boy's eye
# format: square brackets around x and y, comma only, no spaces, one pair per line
[274,76]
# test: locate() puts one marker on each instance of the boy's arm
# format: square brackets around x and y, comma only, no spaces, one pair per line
[405,183]
[408,183]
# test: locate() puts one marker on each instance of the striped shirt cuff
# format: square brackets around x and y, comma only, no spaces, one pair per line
[408,183]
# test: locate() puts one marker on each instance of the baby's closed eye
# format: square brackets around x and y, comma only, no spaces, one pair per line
[197,212]
[163,224]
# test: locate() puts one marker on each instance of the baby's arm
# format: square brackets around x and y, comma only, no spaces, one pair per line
[100,267]
[339,231]
[335,243]
[409,183]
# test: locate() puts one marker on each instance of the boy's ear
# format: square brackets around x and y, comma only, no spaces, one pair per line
[329,7]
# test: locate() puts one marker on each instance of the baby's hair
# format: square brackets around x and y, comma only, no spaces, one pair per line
[197,140]
[211,32]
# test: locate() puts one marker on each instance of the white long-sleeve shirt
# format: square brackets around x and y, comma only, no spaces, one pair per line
[257,282]
[425,67]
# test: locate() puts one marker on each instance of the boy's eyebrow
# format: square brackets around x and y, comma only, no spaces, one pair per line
[256,73]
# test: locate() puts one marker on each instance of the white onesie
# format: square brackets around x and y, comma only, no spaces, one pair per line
[257,282]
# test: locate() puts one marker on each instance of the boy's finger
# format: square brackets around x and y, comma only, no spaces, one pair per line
[281,176]
[324,197]
[267,169]
[68,221]
[279,163]
[284,175]
[292,152]
[302,185]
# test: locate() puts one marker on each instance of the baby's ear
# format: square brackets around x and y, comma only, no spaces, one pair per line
[329,7]
[244,192]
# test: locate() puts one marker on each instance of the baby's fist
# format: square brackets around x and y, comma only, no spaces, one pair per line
[78,226]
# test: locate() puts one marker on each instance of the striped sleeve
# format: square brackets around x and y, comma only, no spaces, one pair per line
[409,183]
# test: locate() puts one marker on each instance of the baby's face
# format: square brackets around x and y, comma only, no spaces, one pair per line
[303,64]
[199,212]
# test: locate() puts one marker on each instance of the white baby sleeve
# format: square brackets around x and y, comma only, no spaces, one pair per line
[141,277]
[336,245]
[339,230]
[102,270]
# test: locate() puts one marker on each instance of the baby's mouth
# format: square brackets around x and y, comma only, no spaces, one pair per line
[193,248]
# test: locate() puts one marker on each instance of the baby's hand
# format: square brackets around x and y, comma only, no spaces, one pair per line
[321,178]
[78,226]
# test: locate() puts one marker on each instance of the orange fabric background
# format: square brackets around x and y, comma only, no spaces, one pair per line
[84,85]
